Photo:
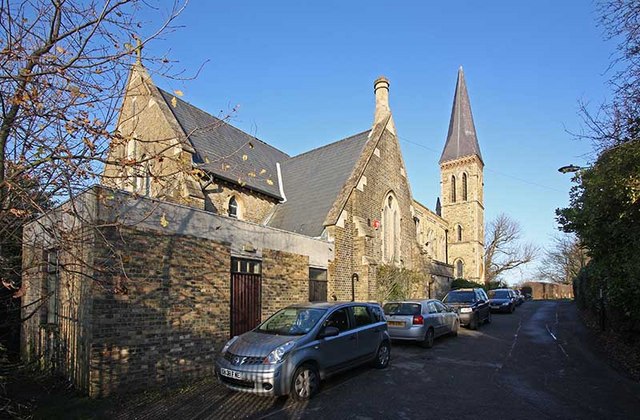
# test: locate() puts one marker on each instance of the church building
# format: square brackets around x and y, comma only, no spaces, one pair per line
[200,231]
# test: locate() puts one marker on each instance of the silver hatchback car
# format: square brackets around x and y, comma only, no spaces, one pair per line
[302,344]
[420,320]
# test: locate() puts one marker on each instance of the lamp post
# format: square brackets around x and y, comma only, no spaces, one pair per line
[570,168]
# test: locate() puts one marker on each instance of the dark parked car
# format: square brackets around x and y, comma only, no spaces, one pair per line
[301,344]
[472,306]
[420,320]
[502,300]
[519,297]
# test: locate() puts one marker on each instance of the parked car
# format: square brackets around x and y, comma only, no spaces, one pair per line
[502,300]
[420,320]
[472,306]
[297,347]
[519,297]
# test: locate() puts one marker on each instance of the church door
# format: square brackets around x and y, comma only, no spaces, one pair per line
[246,295]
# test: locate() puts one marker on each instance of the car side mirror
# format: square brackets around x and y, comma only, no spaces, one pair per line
[328,332]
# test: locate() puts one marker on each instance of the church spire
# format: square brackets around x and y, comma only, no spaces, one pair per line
[461,139]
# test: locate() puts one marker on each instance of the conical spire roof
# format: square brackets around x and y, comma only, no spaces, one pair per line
[461,139]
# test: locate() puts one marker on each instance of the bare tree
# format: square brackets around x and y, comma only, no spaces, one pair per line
[562,262]
[503,248]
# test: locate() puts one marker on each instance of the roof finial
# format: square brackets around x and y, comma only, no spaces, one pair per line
[138,50]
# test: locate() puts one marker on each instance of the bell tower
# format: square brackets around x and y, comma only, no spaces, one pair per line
[461,185]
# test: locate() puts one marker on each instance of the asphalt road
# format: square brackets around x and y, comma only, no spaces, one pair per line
[536,363]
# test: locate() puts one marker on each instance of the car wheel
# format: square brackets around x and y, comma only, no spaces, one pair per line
[454,331]
[382,356]
[512,309]
[428,339]
[305,382]
[473,325]
[488,320]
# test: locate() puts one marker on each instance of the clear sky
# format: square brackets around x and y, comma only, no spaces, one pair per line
[303,76]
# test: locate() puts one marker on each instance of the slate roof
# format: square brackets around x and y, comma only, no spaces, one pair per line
[220,148]
[461,139]
[312,182]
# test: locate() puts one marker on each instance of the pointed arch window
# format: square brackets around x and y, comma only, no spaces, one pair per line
[459,269]
[453,188]
[233,207]
[459,232]
[391,230]
[464,187]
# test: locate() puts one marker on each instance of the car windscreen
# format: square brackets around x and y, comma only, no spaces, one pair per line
[292,321]
[499,294]
[401,308]
[460,297]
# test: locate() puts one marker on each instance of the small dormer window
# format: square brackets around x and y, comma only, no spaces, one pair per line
[233,207]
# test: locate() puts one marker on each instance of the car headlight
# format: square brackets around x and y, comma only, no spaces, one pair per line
[505,304]
[229,343]
[278,354]
[465,310]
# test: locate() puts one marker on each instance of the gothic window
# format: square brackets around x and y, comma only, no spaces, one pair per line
[147,180]
[418,232]
[459,269]
[459,232]
[53,280]
[391,230]
[233,207]
[453,188]
[132,155]
[464,187]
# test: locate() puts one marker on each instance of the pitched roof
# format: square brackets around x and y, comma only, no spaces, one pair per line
[461,139]
[312,182]
[220,148]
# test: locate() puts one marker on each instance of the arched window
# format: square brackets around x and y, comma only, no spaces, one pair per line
[459,269]
[453,188]
[233,207]
[390,230]
[464,187]
[418,230]
[459,231]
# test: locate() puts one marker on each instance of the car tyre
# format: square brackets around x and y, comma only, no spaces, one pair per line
[488,320]
[428,339]
[383,356]
[305,383]
[473,324]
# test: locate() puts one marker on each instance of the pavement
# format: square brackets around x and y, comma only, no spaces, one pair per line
[539,362]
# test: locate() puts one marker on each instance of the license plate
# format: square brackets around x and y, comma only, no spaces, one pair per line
[230,373]
[395,323]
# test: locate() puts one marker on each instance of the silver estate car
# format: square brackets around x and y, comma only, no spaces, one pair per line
[420,320]
[302,344]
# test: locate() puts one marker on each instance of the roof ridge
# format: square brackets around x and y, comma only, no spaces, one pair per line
[164,92]
[330,144]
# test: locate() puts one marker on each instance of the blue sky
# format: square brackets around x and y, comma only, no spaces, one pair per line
[303,74]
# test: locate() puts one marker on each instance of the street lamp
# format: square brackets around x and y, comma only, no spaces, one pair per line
[570,168]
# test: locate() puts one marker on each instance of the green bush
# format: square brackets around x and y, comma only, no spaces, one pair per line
[465,284]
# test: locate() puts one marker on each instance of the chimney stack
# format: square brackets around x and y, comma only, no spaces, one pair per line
[381,90]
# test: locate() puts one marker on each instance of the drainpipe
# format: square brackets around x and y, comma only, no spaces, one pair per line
[446,246]
[354,279]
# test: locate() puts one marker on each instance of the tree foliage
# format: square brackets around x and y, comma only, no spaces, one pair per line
[64,67]
[604,211]
[504,249]
[395,283]
[562,262]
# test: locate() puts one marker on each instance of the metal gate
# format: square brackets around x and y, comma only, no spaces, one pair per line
[246,292]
